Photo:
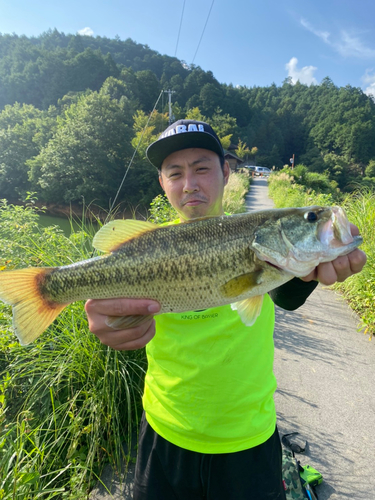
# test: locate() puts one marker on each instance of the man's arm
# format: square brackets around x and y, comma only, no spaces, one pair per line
[292,294]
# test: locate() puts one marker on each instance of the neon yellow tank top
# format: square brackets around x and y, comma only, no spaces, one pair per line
[210,383]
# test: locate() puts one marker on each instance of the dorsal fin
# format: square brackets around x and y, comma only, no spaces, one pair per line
[116,232]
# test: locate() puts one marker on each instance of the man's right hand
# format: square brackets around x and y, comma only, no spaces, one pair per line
[130,339]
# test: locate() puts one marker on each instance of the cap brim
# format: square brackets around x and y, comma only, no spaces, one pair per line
[158,151]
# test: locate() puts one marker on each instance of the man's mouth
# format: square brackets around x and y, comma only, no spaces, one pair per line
[192,202]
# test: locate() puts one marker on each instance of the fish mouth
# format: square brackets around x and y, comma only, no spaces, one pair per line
[335,232]
[272,264]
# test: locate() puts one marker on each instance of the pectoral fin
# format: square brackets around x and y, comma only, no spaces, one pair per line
[241,284]
[249,309]
[124,322]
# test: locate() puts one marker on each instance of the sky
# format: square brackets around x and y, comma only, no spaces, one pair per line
[243,42]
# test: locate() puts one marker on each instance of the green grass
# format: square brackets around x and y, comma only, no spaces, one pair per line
[67,403]
[235,192]
[360,288]
[286,193]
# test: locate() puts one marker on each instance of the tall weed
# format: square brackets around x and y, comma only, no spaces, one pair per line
[286,193]
[360,288]
[67,402]
[235,192]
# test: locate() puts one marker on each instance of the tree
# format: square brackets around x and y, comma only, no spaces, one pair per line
[89,70]
[16,147]
[242,149]
[148,89]
[370,169]
[223,124]
[195,114]
[147,130]
[211,96]
[19,129]
[87,155]
[226,141]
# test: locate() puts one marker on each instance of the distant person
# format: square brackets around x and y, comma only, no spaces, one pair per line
[209,425]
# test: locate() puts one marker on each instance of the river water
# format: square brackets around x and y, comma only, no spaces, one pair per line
[65,223]
[50,220]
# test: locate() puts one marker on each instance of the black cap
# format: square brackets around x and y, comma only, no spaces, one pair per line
[183,134]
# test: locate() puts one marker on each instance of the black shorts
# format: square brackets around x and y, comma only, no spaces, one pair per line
[167,472]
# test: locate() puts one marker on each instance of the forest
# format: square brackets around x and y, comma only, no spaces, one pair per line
[74,108]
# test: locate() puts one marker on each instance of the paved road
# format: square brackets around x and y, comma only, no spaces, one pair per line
[325,372]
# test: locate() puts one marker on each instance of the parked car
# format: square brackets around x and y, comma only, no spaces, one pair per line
[262,171]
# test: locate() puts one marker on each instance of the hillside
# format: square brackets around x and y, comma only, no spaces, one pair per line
[72,107]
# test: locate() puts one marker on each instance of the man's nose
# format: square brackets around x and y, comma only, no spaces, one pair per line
[191,184]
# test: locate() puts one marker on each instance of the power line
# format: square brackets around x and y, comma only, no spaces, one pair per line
[179,31]
[132,158]
[213,1]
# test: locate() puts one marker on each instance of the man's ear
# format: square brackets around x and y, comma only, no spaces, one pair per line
[161,182]
[226,172]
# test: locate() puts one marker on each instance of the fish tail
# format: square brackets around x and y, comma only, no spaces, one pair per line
[32,312]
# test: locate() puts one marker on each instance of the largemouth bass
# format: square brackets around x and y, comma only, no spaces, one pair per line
[197,265]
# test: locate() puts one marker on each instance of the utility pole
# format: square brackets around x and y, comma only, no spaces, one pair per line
[170,92]
[292,161]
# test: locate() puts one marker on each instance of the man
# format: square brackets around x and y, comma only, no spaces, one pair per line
[209,429]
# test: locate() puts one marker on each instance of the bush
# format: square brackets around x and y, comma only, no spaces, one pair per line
[370,169]
[359,289]
[285,193]
[235,192]
[67,401]
[161,210]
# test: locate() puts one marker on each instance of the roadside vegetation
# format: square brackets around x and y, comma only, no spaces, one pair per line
[298,188]
[235,192]
[67,403]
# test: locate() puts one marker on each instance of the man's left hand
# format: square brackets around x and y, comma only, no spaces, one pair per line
[341,268]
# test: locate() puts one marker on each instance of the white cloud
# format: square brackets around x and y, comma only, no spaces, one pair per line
[86,31]
[304,75]
[369,80]
[324,35]
[346,44]
[352,46]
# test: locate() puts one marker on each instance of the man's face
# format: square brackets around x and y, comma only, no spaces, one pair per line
[194,181]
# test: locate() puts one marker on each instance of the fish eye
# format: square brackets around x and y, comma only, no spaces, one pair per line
[311,216]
